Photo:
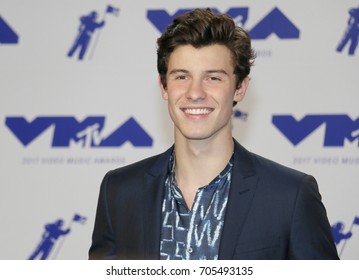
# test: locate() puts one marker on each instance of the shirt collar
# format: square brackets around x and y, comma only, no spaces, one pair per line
[214,182]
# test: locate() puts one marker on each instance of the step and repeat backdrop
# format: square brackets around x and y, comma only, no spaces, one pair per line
[79,96]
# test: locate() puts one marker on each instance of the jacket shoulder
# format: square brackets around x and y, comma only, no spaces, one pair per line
[268,166]
[133,173]
[252,164]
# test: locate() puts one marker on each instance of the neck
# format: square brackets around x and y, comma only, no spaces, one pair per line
[198,162]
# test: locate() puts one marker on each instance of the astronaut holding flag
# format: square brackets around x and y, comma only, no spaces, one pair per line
[76,218]
[339,235]
[53,233]
[88,27]
[109,10]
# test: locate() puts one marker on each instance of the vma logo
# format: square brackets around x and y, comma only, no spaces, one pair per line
[275,22]
[338,128]
[87,133]
[7,34]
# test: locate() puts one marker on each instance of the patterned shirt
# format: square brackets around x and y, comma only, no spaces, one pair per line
[194,234]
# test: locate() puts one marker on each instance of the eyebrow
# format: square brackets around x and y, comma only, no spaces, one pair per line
[175,71]
[220,71]
[213,71]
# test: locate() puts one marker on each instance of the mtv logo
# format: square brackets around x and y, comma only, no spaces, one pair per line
[68,130]
[338,128]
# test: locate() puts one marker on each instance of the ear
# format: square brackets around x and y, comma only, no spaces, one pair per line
[163,90]
[241,90]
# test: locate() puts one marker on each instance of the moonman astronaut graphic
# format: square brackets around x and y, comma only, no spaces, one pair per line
[351,35]
[339,235]
[86,30]
[337,230]
[49,237]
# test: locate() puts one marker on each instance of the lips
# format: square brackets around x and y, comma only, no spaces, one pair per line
[197,111]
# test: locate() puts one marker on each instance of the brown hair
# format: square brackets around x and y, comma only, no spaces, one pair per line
[202,27]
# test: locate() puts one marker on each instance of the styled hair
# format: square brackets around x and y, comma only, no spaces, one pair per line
[200,28]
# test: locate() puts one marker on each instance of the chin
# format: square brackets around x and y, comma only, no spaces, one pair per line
[196,136]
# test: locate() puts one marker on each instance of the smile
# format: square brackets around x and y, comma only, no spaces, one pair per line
[197,111]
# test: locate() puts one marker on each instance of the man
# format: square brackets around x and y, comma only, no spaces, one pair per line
[207,197]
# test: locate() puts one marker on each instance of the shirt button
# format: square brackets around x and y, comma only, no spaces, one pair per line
[190,250]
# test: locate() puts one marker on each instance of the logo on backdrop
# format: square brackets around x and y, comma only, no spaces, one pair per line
[239,114]
[339,129]
[7,33]
[90,26]
[53,237]
[351,34]
[341,236]
[68,131]
[275,22]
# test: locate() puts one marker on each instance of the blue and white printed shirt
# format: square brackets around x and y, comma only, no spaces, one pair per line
[194,234]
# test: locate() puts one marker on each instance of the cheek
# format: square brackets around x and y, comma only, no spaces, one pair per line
[228,99]
[171,103]
[173,94]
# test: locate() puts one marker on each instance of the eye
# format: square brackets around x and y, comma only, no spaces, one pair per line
[180,77]
[214,78]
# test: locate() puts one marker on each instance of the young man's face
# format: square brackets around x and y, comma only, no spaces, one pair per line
[201,88]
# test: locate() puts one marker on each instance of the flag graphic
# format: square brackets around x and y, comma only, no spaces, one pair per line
[80,219]
[112,10]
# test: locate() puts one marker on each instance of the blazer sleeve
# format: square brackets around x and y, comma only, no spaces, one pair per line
[311,236]
[103,244]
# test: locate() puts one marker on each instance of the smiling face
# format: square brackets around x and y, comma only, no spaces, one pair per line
[201,88]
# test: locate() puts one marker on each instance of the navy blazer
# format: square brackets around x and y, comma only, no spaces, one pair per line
[273,212]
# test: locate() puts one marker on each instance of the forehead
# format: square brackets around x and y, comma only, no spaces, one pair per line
[213,56]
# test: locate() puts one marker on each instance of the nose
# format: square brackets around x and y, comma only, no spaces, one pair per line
[195,91]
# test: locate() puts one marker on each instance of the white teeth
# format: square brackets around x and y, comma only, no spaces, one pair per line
[197,111]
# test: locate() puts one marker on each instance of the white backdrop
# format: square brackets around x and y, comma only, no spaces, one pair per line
[66,121]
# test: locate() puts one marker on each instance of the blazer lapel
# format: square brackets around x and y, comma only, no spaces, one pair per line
[243,185]
[152,198]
